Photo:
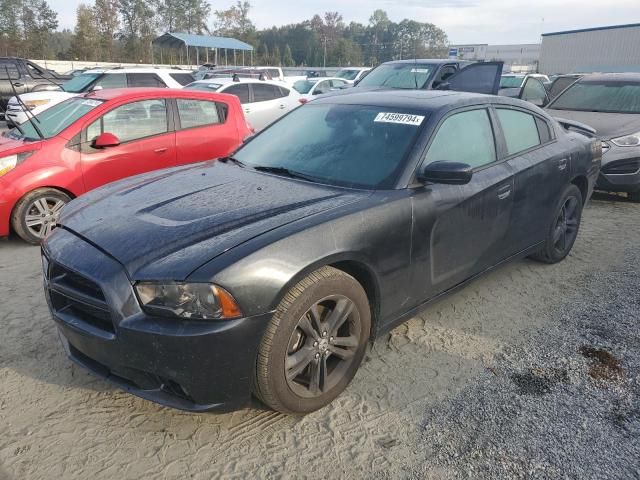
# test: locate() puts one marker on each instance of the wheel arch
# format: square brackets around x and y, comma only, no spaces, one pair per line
[353,265]
[582,183]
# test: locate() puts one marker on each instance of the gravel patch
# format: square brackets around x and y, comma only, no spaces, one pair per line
[563,403]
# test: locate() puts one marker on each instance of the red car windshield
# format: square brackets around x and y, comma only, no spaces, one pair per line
[55,119]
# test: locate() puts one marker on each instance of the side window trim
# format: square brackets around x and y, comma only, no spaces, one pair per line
[552,132]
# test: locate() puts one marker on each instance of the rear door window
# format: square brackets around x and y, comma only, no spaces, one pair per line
[241,91]
[465,137]
[198,113]
[520,130]
[8,70]
[145,80]
[264,92]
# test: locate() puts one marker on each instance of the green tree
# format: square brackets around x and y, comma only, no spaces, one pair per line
[287,57]
[85,37]
[276,58]
[107,25]
[235,22]
[138,29]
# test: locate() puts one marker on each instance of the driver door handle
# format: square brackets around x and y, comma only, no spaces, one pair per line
[161,150]
[504,192]
[18,84]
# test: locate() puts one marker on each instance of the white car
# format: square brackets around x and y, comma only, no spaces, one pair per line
[311,87]
[263,101]
[352,74]
[96,79]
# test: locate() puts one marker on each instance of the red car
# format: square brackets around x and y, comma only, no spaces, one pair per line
[103,136]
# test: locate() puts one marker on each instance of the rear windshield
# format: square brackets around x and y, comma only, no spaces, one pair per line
[80,83]
[511,82]
[606,96]
[304,86]
[205,86]
[182,78]
[347,74]
[399,75]
[355,146]
[55,119]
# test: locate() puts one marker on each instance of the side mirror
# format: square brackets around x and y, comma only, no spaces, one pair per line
[105,140]
[97,88]
[449,173]
[444,85]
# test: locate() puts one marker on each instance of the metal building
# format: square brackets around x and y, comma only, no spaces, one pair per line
[516,58]
[603,49]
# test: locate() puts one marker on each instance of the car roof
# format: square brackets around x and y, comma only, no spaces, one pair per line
[425,100]
[603,77]
[136,70]
[117,93]
[228,80]
[422,60]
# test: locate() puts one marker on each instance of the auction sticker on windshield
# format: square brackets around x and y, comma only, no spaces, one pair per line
[402,118]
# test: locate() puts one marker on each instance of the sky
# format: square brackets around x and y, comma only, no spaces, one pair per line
[464,21]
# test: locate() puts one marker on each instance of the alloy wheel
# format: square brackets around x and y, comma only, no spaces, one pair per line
[566,228]
[322,346]
[42,215]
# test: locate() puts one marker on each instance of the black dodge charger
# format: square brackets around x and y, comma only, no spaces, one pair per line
[269,272]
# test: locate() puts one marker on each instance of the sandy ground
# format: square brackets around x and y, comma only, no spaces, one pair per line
[56,421]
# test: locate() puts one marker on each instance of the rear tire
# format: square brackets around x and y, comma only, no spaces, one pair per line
[634,197]
[36,214]
[314,343]
[563,228]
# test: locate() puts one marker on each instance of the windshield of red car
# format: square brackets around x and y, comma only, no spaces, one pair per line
[605,96]
[355,146]
[55,119]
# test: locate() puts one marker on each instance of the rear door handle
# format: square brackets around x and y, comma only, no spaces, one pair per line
[282,107]
[18,84]
[161,150]
[562,164]
[504,192]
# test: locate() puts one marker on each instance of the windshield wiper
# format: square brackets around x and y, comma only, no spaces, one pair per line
[285,172]
[234,160]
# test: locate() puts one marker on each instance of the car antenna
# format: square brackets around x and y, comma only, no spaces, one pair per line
[28,113]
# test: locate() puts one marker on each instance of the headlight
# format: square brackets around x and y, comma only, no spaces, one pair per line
[195,301]
[9,163]
[31,104]
[632,140]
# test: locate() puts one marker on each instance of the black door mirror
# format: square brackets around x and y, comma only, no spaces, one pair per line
[534,91]
[450,173]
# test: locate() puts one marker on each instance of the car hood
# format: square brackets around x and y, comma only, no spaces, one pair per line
[53,95]
[607,125]
[9,146]
[164,225]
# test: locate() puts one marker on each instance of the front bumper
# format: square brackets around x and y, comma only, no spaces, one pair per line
[5,215]
[192,366]
[620,170]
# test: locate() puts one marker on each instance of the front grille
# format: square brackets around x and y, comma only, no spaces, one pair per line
[622,167]
[73,295]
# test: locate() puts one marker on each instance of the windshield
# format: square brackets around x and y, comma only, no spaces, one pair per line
[347,74]
[354,146]
[207,87]
[511,82]
[605,96]
[79,83]
[399,75]
[304,86]
[55,119]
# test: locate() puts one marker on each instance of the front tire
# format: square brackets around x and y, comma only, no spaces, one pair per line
[37,213]
[564,227]
[314,343]
[634,197]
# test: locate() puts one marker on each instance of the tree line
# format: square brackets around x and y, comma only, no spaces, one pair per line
[122,31]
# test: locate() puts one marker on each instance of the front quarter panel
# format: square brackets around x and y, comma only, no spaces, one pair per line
[375,235]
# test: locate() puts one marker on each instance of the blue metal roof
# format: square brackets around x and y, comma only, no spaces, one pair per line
[175,40]
[610,27]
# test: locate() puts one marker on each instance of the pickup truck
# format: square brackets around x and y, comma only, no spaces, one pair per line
[25,76]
